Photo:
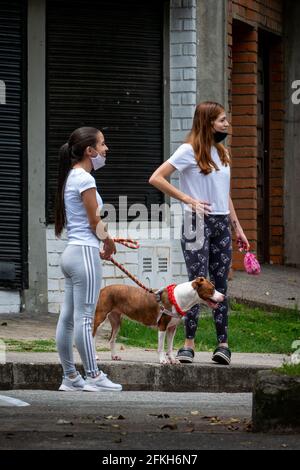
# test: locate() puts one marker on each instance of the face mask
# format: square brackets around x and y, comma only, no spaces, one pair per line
[219,136]
[98,161]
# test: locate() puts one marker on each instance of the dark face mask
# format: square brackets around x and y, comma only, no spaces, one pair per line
[219,136]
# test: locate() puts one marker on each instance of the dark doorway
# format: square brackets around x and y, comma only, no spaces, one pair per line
[105,69]
[263,147]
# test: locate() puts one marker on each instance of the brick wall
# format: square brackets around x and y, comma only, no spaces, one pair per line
[266,14]
[244,19]
[276,153]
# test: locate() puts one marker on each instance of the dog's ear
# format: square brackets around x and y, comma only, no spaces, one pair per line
[198,282]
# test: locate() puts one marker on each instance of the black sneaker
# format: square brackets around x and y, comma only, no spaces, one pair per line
[185,355]
[222,355]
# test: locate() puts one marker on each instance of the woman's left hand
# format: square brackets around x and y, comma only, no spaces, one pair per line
[243,239]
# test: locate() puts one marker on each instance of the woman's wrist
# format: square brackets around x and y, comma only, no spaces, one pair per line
[236,226]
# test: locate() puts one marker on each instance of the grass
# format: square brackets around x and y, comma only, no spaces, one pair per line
[36,345]
[289,369]
[250,330]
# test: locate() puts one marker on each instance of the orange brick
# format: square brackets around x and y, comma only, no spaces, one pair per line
[276,182]
[244,89]
[242,100]
[276,221]
[245,110]
[245,68]
[244,153]
[243,162]
[244,121]
[276,212]
[245,204]
[276,250]
[244,141]
[244,183]
[245,131]
[241,78]
[276,191]
[244,172]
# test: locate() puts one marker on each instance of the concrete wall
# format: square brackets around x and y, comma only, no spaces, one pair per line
[292,134]
[212,75]
[36,296]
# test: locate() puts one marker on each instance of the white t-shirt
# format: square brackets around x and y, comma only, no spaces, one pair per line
[78,227]
[213,188]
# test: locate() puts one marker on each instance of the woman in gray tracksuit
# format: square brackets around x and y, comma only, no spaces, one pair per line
[77,209]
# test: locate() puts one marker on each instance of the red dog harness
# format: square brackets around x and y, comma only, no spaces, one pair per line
[171,296]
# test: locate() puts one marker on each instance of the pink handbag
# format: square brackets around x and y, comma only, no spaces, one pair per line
[251,263]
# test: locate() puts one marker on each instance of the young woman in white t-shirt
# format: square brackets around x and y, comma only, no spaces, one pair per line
[204,190]
[77,209]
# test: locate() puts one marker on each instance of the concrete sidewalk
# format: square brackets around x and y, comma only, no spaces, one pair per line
[277,287]
[140,370]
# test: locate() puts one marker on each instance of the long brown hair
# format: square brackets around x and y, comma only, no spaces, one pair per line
[201,136]
[70,153]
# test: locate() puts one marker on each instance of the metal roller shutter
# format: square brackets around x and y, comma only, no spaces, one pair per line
[104,62]
[13,248]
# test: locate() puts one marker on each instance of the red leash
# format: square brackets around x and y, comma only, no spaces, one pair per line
[134,245]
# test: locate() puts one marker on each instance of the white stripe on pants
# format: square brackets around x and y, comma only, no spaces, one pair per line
[82,268]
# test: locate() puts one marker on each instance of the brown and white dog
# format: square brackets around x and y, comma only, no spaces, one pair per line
[147,308]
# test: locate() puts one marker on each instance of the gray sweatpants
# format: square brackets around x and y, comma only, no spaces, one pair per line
[82,268]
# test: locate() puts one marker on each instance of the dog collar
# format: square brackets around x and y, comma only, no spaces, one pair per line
[171,296]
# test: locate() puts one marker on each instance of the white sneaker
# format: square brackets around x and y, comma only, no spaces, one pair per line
[103,384]
[76,385]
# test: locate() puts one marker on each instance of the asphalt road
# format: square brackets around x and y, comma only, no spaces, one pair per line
[133,420]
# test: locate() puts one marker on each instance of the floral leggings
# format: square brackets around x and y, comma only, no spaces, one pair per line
[211,254]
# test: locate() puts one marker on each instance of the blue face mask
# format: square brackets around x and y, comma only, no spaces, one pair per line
[98,161]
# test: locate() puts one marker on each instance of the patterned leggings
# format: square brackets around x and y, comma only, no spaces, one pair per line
[213,256]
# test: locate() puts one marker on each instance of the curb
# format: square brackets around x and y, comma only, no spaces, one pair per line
[137,377]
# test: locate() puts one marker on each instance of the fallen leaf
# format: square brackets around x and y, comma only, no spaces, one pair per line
[120,417]
[284,445]
[233,428]
[234,420]
[189,429]
[110,417]
[63,421]
[194,413]
[160,416]
[115,425]
[171,426]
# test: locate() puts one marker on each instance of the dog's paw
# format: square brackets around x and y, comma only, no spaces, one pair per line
[173,360]
[163,359]
[116,358]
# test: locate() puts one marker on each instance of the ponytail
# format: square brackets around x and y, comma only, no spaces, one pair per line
[65,164]
[70,153]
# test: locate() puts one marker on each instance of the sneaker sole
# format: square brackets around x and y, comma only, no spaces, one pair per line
[184,359]
[65,388]
[221,359]
[105,389]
